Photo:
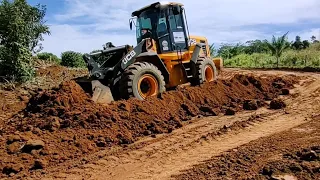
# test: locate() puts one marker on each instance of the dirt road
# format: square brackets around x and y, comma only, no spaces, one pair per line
[169,155]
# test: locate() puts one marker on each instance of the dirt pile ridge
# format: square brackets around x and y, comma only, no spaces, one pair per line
[70,125]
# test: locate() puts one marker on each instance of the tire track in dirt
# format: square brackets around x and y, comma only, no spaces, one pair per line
[169,154]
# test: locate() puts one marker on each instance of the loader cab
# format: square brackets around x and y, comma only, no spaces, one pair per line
[165,24]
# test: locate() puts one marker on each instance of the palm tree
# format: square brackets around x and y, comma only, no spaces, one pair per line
[212,50]
[278,45]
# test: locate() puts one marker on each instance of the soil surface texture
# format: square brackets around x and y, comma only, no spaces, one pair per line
[188,133]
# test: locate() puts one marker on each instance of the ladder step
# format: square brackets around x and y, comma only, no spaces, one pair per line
[190,76]
[188,69]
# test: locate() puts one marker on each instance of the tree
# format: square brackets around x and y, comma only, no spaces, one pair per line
[278,45]
[21,30]
[297,45]
[305,44]
[213,50]
[228,51]
[225,51]
[256,46]
[314,39]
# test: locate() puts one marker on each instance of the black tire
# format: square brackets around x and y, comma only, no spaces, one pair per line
[129,83]
[201,67]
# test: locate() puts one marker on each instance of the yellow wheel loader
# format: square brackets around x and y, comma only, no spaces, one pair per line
[165,57]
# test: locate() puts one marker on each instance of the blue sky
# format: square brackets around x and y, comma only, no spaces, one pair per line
[85,25]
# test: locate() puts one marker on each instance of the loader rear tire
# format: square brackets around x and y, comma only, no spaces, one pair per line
[141,80]
[206,71]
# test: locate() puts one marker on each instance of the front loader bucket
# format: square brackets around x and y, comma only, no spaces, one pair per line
[99,92]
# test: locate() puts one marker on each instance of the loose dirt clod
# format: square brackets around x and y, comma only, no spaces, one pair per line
[277,104]
[33,145]
[39,164]
[230,112]
[285,91]
[250,105]
[12,169]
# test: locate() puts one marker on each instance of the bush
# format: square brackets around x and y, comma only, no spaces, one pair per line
[253,60]
[303,58]
[309,57]
[72,59]
[48,57]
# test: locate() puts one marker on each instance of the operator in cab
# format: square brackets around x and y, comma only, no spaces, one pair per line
[146,34]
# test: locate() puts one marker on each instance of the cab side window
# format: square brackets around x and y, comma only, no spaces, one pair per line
[175,22]
[162,27]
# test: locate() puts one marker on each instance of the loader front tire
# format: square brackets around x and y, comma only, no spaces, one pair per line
[206,71]
[141,80]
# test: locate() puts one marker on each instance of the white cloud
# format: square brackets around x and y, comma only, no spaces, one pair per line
[66,37]
[100,21]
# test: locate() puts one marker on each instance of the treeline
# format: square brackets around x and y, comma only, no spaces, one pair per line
[279,52]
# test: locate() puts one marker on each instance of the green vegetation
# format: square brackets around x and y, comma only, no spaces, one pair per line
[72,59]
[277,46]
[49,57]
[278,52]
[21,30]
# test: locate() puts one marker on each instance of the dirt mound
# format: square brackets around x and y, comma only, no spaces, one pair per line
[14,97]
[71,125]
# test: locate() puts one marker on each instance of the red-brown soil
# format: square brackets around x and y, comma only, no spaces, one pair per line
[294,154]
[66,124]
[14,97]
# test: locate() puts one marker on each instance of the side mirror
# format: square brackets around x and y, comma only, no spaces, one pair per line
[130,23]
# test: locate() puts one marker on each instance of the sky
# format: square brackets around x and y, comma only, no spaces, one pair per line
[85,25]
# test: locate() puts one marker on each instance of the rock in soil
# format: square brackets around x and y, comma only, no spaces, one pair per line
[12,169]
[33,145]
[250,105]
[39,164]
[310,156]
[230,112]
[277,104]
[209,110]
[285,91]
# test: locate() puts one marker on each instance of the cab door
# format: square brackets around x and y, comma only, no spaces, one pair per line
[163,34]
[177,31]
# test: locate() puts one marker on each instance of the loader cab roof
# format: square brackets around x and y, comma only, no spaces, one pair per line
[153,6]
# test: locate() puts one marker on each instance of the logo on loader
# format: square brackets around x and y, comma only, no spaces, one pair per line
[129,57]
